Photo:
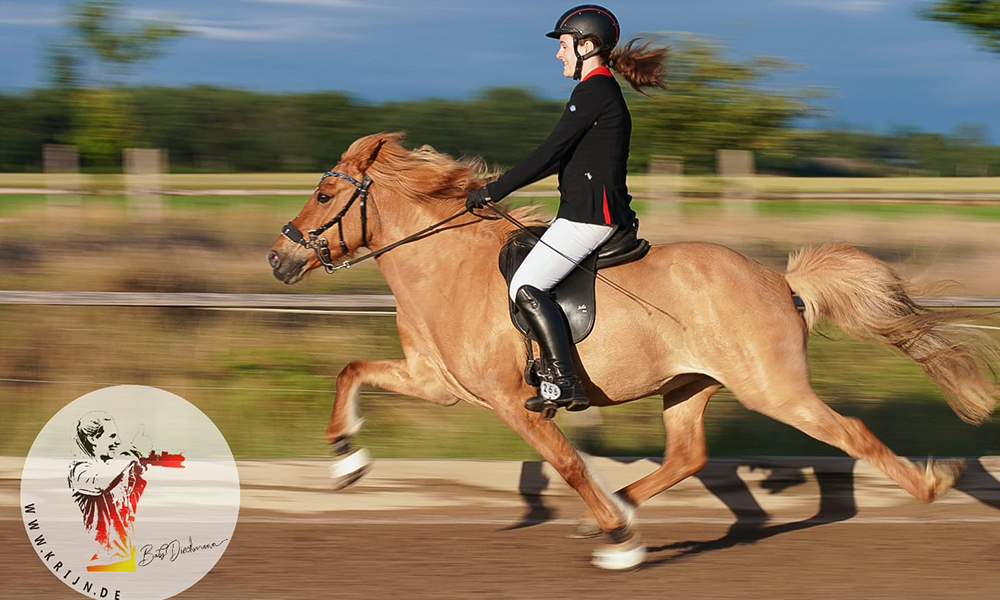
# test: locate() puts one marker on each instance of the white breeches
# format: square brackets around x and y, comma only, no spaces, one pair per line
[564,245]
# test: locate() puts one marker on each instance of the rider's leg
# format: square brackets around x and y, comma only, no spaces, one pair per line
[548,324]
[563,246]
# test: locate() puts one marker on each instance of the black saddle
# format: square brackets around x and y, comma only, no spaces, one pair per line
[575,293]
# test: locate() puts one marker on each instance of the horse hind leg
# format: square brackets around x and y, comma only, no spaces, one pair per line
[685,453]
[807,413]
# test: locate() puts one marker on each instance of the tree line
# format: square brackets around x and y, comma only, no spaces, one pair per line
[208,129]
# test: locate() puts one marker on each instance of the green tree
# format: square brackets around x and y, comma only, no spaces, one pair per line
[94,64]
[713,102]
[979,17]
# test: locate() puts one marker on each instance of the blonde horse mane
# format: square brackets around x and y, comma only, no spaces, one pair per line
[425,175]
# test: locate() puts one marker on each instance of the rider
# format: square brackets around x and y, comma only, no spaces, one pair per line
[589,148]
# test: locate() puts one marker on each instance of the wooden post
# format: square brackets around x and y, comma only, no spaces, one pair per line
[61,164]
[736,168]
[143,181]
[666,180]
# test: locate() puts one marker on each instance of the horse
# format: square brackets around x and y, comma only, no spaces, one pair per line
[699,317]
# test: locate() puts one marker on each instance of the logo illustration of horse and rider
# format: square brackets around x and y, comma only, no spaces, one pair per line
[601,317]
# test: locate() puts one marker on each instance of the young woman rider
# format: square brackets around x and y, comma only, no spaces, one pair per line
[589,149]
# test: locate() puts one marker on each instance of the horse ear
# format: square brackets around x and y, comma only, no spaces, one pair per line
[367,163]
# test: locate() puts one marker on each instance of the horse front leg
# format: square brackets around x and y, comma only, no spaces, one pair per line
[407,377]
[625,550]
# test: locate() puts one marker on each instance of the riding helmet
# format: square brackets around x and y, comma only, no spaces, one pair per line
[588,20]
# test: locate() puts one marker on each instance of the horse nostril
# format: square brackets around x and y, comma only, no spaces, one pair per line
[273,259]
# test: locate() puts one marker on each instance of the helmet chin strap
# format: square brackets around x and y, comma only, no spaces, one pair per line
[578,72]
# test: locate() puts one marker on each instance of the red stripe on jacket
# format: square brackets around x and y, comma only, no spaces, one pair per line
[607,213]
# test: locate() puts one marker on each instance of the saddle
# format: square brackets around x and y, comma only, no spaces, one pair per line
[575,293]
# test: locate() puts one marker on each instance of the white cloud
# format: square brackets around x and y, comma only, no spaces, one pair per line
[26,15]
[234,34]
[44,21]
[319,3]
[265,30]
[846,6]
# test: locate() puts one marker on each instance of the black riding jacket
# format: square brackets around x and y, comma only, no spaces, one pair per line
[589,148]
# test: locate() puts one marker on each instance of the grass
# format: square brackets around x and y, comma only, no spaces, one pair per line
[638,182]
[283,206]
[267,379]
[907,210]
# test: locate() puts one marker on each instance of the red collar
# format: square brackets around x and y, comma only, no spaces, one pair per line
[598,71]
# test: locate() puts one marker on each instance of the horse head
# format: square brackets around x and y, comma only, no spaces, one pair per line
[415,188]
[334,222]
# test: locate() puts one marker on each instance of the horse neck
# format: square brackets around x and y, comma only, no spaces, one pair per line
[451,256]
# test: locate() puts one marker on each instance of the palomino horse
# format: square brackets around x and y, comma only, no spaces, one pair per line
[726,320]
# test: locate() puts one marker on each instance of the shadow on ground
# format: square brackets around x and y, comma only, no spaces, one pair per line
[836,500]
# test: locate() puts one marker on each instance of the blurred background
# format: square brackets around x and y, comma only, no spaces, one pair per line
[157,149]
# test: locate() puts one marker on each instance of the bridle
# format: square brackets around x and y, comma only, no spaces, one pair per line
[321,247]
[318,244]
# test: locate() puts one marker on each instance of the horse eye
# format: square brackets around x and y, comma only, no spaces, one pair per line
[322,198]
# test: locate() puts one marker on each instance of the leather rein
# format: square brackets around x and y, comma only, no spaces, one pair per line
[320,245]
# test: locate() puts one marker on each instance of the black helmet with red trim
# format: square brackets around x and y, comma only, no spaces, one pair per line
[588,21]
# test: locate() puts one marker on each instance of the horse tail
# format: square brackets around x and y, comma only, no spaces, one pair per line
[866,299]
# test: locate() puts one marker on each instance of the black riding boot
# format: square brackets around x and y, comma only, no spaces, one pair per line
[548,324]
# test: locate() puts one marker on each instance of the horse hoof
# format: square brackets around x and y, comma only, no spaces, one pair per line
[942,475]
[587,528]
[625,556]
[350,468]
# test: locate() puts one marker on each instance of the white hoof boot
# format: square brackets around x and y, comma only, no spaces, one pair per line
[625,556]
[349,468]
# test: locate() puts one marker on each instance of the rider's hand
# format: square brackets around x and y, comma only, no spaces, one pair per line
[477,198]
[141,443]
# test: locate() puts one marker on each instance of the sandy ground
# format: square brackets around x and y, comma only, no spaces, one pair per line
[827,528]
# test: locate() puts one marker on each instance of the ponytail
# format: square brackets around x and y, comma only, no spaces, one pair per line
[640,65]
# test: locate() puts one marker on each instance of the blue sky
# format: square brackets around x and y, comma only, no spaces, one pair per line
[883,65]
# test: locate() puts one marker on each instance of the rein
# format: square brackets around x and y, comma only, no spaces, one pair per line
[320,245]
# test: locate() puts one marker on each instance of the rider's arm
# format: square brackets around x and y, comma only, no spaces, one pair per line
[93,478]
[579,115]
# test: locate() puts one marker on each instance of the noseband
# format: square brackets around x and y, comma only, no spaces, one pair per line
[318,244]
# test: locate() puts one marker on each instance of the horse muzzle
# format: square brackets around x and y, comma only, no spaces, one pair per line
[286,267]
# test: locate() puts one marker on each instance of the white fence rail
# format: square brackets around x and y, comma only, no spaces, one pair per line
[384,303]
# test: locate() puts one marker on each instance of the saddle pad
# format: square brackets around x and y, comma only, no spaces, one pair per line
[574,294]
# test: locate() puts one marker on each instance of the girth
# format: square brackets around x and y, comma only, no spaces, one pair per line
[574,294]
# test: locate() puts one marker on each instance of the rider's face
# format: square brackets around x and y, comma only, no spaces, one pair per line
[106,444]
[566,54]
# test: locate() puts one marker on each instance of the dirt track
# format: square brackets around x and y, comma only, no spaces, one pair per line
[864,541]
[844,560]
